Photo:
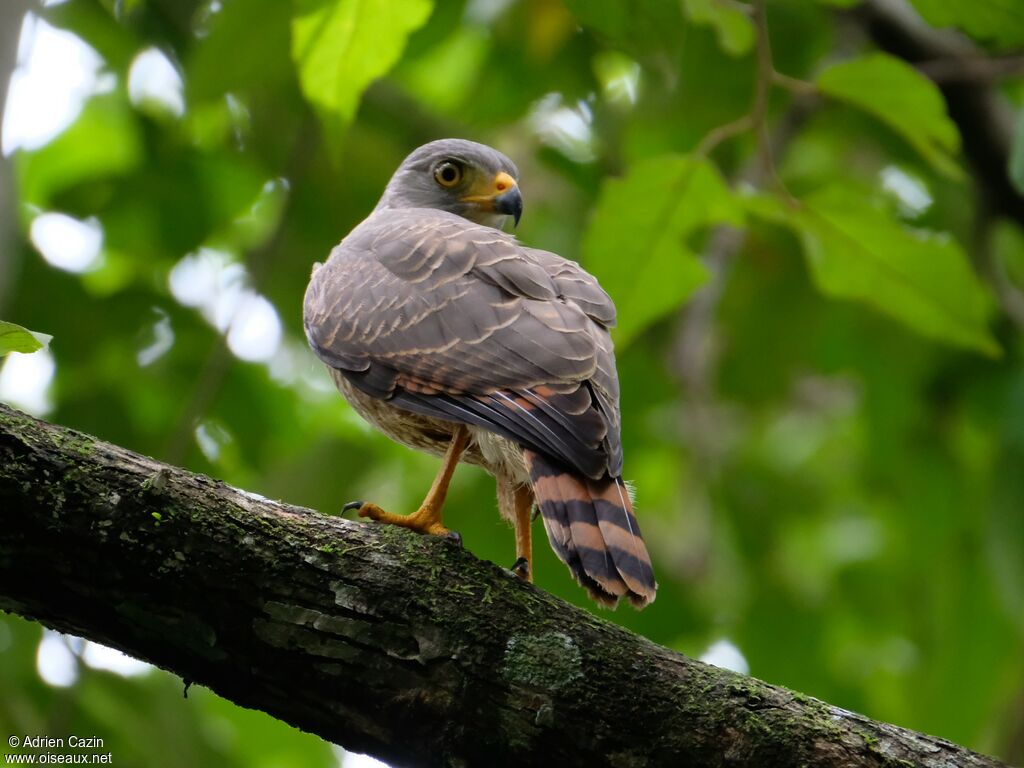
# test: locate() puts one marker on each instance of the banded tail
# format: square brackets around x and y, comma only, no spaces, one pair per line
[591,527]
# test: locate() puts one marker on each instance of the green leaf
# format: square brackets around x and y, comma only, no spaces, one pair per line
[1016,165]
[902,98]
[734,28]
[1000,21]
[14,338]
[341,46]
[636,243]
[857,251]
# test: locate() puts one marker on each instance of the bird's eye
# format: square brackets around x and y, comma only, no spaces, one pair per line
[448,174]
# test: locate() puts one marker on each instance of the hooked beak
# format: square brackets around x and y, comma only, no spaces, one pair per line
[510,203]
[500,196]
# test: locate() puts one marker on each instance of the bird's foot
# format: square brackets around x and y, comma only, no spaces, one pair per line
[426,519]
[521,568]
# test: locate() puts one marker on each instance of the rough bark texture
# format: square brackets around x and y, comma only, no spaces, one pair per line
[402,646]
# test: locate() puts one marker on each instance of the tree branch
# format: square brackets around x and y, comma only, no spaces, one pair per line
[982,114]
[403,646]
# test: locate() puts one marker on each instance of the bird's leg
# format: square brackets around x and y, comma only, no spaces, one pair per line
[426,519]
[523,567]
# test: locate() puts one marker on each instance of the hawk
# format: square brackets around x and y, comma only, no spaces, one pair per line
[450,337]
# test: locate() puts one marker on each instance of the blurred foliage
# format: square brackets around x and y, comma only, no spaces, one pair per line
[989,20]
[827,441]
[897,94]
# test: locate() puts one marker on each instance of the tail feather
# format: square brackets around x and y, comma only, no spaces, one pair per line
[591,527]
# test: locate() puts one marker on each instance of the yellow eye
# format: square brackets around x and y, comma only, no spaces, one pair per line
[448,174]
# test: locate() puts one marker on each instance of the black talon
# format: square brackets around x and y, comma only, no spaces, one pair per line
[352,505]
[521,568]
[455,537]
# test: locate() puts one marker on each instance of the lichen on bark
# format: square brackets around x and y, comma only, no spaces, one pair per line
[402,646]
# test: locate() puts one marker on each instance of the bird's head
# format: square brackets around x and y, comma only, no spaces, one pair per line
[462,177]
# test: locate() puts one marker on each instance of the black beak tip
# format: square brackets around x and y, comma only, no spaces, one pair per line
[511,204]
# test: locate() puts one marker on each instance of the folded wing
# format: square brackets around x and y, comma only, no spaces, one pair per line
[455,320]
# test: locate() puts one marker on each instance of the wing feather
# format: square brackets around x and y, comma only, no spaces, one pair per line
[455,320]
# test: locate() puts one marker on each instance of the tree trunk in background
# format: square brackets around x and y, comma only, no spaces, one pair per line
[403,646]
[11,14]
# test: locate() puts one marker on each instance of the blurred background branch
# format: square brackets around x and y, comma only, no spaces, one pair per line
[983,114]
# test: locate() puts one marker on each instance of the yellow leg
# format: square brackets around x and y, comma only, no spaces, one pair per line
[523,567]
[426,519]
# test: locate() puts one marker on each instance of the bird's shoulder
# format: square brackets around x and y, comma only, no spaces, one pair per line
[430,249]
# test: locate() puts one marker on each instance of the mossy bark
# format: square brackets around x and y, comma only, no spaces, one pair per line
[402,646]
